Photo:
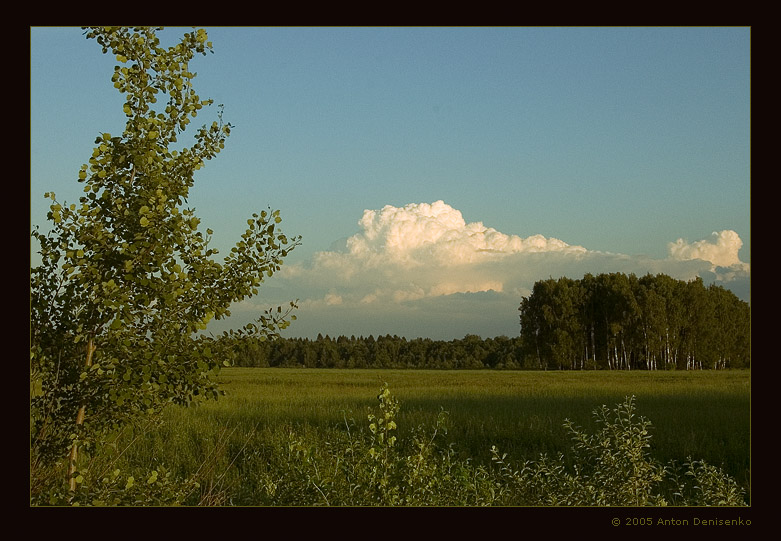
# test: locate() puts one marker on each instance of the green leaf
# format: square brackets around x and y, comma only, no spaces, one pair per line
[127,244]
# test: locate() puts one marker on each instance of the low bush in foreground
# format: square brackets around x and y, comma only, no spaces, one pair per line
[371,466]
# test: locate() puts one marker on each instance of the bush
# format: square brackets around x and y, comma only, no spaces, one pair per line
[613,468]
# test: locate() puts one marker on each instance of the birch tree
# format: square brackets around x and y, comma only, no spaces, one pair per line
[127,281]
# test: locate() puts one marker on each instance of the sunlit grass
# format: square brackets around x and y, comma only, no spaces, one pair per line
[703,415]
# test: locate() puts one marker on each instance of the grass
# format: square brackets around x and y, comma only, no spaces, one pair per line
[703,415]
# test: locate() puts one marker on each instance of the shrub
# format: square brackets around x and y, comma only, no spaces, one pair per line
[612,467]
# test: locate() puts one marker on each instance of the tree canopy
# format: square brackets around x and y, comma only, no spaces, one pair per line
[619,321]
[127,280]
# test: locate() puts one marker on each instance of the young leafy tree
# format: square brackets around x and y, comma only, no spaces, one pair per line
[127,281]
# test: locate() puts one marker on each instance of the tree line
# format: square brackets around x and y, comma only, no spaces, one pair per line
[609,321]
[619,321]
[381,352]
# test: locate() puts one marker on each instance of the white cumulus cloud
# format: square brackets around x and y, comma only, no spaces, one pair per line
[436,233]
[421,269]
[417,251]
[721,249]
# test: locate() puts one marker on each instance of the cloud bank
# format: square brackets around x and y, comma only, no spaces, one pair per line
[436,234]
[419,251]
[421,270]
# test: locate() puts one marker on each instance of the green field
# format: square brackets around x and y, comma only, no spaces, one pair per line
[698,414]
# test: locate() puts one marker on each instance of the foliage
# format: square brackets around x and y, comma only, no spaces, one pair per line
[470,352]
[612,467]
[156,487]
[127,281]
[698,483]
[614,460]
[619,321]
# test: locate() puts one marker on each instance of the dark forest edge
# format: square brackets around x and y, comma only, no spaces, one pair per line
[605,322]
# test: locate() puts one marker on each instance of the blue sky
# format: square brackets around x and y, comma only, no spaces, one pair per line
[558,151]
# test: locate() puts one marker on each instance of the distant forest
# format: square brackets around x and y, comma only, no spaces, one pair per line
[604,322]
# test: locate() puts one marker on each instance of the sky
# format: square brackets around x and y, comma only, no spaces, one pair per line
[435,173]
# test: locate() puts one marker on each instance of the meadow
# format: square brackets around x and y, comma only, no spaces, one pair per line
[232,443]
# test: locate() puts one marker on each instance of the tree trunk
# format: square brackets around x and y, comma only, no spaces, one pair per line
[79,421]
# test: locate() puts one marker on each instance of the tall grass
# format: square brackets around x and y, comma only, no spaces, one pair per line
[705,415]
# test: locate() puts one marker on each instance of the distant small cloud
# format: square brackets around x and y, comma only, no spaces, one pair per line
[721,249]
[721,252]
[332,299]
